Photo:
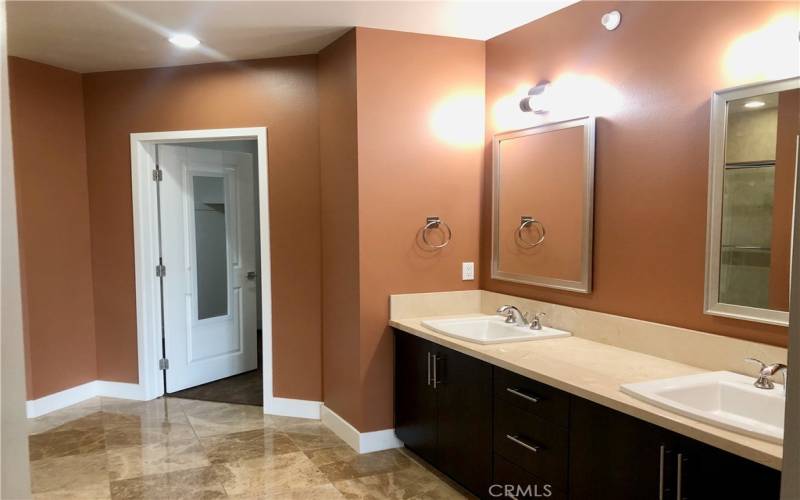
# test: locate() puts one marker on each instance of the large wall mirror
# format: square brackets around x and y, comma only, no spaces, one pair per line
[543,205]
[752,179]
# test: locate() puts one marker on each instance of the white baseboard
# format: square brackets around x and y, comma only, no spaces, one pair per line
[78,394]
[121,390]
[62,399]
[362,442]
[286,407]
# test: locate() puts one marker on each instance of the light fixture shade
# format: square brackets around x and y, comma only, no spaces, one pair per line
[536,100]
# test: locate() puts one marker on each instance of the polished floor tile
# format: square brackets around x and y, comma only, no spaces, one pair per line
[267,475]
[200,483]
[154,458]
[245,445]
[62,443]
[178,448]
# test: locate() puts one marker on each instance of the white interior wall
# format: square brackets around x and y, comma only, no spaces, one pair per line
[15,475]
[790,478]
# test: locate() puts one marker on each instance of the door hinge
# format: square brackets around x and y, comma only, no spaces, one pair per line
[158,175]
[163,364]
[161,270]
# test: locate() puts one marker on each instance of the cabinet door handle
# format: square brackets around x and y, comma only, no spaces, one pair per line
[661,472]
[435,380]
[679,488]
[521,394]
[429,368]
[516,439]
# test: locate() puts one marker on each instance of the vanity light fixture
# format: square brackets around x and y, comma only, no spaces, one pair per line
[536,99]
[754,104]
[184,40]
[611,20]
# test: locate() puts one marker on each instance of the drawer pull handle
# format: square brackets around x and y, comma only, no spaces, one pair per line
[429,368]
[517,392]
[679,488]
[516,439]
[661,453]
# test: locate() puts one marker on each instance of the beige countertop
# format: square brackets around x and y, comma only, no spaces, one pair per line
[595,371]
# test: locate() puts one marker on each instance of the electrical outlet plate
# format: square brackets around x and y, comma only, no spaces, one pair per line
[467,271]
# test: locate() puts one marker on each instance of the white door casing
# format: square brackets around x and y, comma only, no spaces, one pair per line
[210,333]
[145,248]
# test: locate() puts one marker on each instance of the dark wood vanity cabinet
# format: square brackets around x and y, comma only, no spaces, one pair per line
[531,436]
[708,472]
[615,456]
[486,427]
[443,409]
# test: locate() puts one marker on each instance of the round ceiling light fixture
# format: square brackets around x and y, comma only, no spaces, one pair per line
[754,104]
[611,20]
[184,40]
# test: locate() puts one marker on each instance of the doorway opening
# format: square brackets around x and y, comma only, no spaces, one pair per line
[200,220]
[208,223]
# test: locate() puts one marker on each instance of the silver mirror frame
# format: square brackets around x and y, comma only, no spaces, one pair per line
[584,285]
[719,119]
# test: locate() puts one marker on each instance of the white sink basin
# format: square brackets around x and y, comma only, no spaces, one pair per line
[490,330]
[723,399]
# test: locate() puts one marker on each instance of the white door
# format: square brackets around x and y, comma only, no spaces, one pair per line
[208,249]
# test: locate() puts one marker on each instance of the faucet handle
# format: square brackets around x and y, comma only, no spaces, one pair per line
[756,362]
[536,321]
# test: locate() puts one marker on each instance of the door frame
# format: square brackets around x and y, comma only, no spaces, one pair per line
[145,243]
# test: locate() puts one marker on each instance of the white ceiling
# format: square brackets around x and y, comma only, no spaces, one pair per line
[103,36]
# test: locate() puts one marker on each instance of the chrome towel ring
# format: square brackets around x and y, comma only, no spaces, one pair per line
[432,223]
[525,221]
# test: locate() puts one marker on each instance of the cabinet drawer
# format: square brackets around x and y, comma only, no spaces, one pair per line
[515,482]
[542,400]
[536,445]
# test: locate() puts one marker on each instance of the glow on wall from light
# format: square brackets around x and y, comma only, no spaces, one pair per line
[570,95]
[769,53]
[458,120]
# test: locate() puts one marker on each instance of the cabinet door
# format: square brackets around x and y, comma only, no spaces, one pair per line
[614,456]
[707,472]
[464,392]
[414,396]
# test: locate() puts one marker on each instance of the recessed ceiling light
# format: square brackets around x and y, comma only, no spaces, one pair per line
[611,20]
[184,40]
[754,104]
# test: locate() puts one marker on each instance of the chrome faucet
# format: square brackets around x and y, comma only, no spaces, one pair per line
[536,321]
[766,373]
[513,315]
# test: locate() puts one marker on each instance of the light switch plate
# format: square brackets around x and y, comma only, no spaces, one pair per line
[467,271]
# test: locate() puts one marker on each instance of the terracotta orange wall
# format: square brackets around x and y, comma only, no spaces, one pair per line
[414,92]
[280,94]
[53,214]
[340,267]
[664,61]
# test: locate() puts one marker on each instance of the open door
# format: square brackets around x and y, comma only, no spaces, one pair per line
[207,215]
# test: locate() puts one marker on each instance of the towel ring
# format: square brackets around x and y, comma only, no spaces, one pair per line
[436,223]
[525,221]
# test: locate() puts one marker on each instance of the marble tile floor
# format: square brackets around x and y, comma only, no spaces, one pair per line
[173,448]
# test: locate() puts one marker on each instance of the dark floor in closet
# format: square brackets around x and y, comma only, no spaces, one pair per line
[244,388]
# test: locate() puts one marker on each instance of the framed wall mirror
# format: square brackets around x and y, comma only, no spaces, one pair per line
[752,184]
[543,205]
